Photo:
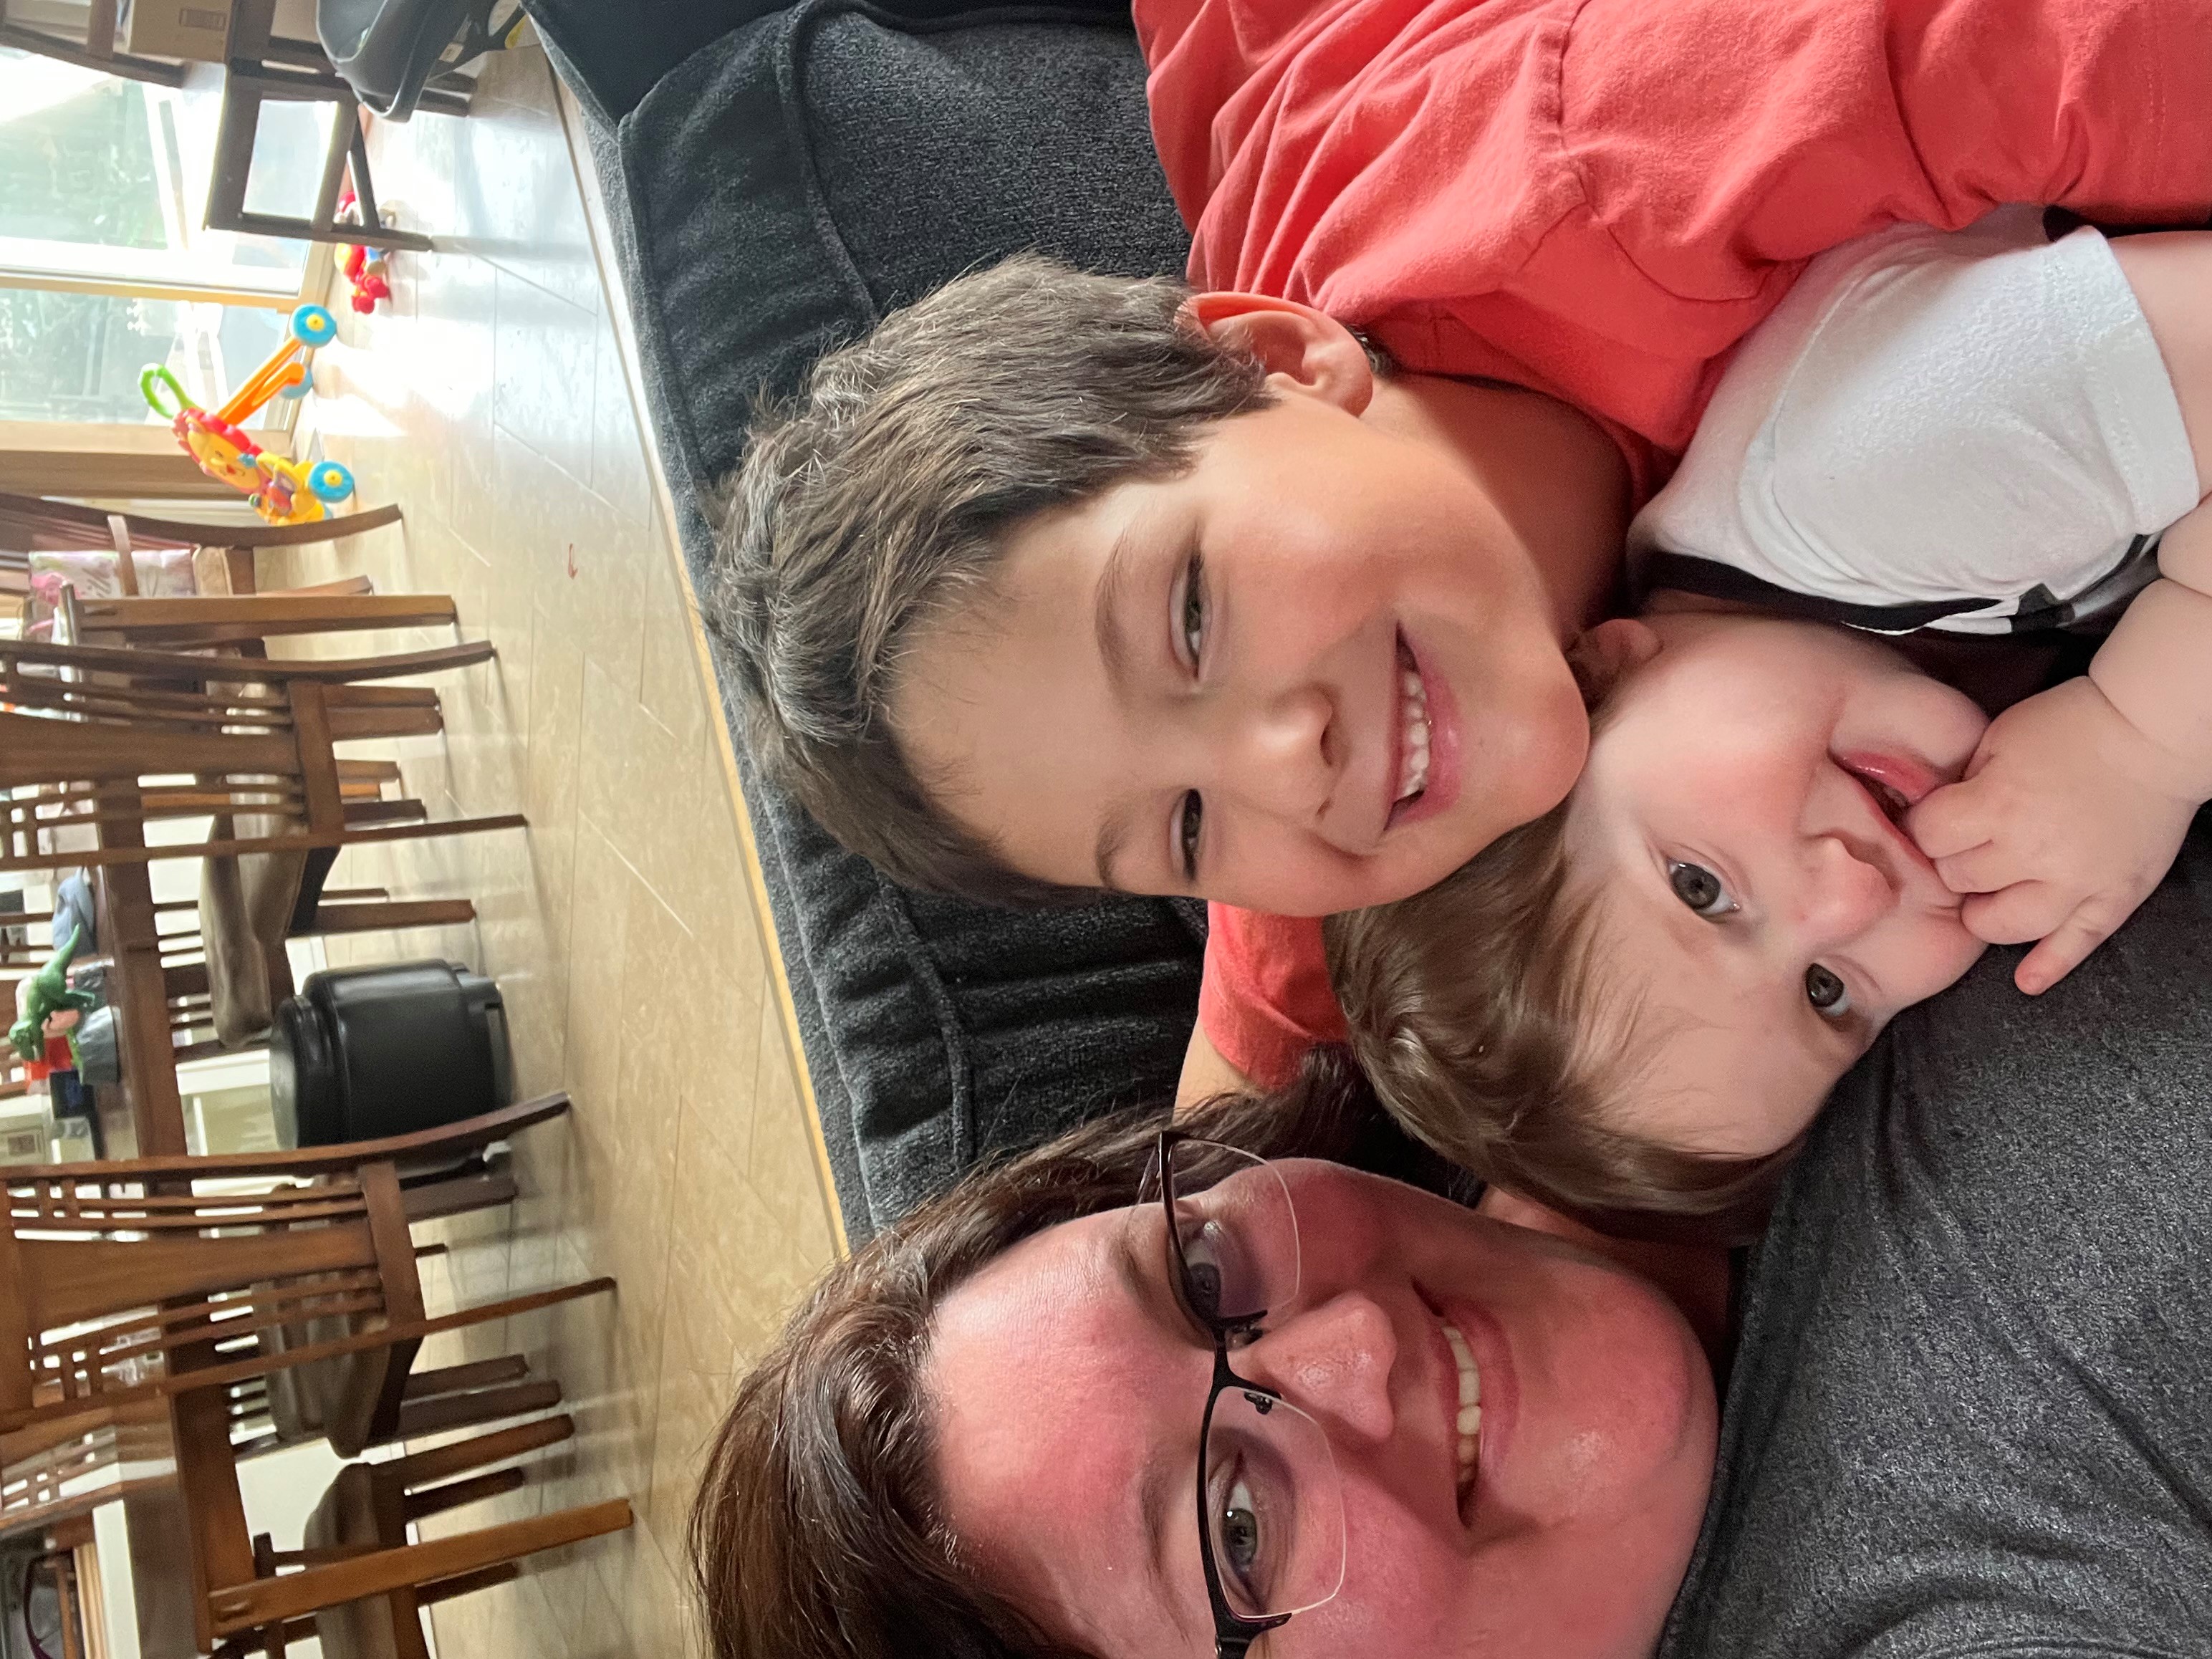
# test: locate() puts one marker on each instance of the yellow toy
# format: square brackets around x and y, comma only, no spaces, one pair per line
[282,491]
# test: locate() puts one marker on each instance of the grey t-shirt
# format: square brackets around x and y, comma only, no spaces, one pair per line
[1972,1409]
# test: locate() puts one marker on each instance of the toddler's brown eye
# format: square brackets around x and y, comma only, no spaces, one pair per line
[1825,992]
[1700,888]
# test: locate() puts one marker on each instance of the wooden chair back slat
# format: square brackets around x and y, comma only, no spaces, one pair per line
[74,1281]
[228,1316]
[17,1333]
[34,750]
[43,1193]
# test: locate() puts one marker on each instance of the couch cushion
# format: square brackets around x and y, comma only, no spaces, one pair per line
[775,194]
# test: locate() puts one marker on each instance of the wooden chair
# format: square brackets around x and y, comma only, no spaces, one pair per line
[263,69]
[237,619]
[123,1281]
[52,1472]
[357,1535]
[39,522]
[39,1464]
[105,741]
[223,554]
[333,910]
[95,50]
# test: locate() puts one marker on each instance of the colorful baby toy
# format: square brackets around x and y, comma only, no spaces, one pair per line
[47,996]
[368,269]
[282,491]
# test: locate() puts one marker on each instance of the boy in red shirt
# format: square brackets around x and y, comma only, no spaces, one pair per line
[1028,599]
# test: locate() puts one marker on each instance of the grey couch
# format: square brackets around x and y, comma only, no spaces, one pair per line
[777,179]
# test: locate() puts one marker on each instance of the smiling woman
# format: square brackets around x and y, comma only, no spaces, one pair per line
[983,1434]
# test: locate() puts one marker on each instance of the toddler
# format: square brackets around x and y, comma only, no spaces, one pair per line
[1631,1008]
[1754,872]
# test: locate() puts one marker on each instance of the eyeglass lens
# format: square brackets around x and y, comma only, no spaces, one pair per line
[1273,1502]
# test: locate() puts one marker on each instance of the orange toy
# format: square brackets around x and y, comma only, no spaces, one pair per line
[282,491]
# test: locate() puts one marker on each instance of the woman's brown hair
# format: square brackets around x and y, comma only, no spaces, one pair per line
[1484,1020]
[815,1532]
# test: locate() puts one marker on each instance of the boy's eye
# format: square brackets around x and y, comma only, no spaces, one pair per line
[1826,993]
[1194,607]
[1700,888]
[1194,815]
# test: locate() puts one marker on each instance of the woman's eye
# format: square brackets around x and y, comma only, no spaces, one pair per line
[1700,888]
[1240,1531]
[1191,820]
[1193,608]
[1826,992]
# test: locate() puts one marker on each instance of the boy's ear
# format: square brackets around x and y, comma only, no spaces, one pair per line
[1309,349]
[1608,654]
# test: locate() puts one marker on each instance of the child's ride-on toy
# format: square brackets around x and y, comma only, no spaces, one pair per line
[282,491]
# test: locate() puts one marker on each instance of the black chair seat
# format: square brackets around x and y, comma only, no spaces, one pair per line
[389,50]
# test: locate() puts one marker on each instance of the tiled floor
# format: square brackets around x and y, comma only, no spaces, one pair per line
[490,404]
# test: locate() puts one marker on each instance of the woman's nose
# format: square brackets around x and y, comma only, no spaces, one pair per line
[1843,893]
[1332,1361]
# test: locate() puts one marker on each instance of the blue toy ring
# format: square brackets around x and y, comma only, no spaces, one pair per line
[330,481]
[313,326]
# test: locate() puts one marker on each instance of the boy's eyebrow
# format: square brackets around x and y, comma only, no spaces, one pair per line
[1112,834]
[1106,605]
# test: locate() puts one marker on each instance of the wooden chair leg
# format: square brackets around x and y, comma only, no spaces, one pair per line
[403,912]
[436,1500]
[322,590]
[481,1374]
[385,812]
[466,1583]
[460,1195]
[425,1468]
[418,1417]
[269,1642]
[235,1608]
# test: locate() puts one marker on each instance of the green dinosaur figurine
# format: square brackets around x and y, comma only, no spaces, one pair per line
[49,992]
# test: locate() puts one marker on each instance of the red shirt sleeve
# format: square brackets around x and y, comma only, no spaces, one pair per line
[1265,997]
[1597,198]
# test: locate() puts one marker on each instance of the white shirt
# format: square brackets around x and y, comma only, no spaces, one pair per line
[1972,431]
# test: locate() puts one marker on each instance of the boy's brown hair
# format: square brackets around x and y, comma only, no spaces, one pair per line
[880,499]
[1485,1022]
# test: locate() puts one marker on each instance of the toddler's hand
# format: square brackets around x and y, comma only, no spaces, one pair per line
[2067,818]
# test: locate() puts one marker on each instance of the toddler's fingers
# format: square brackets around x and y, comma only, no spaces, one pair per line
[2065,949]
[1989,868]
[2026,910]
[1949,821]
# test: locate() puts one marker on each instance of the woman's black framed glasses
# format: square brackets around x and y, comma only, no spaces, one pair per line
[1270,1502]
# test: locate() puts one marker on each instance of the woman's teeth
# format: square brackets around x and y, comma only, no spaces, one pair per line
[1470,1405]
[1413,735]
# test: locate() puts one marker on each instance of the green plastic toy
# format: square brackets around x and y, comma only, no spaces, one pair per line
[49,992]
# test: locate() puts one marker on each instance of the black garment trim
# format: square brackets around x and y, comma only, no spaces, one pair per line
[2039,610]
[1712,580]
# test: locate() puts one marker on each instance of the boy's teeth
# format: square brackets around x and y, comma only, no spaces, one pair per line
[1413,738]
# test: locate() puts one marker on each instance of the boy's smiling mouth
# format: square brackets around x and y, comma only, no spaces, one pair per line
[1423,736]
[1413,702]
